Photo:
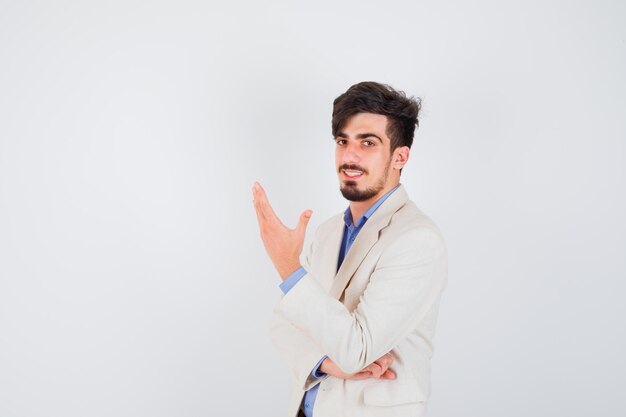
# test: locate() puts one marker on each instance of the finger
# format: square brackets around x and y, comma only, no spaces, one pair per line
[259,213]
[261,197]
[263,202]
[388,374]
[385,361]
[304,221]
[255,201]
[361,375]
[375,369]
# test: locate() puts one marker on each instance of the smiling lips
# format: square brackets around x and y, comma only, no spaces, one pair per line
[352,173]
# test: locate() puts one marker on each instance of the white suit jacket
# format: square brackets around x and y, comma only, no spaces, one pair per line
[385,297]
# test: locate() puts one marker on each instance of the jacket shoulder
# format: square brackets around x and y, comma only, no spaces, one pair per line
[410,220]
[330,224]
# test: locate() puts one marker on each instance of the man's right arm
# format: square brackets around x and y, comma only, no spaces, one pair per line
[304,357]
[300,350]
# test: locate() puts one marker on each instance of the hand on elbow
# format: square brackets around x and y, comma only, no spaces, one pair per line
[379,369]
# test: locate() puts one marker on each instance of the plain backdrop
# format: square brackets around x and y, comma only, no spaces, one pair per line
[133,281]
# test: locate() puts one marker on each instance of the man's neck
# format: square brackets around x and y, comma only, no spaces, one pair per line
[358,208]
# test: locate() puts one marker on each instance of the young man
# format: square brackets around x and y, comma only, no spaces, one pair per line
[357,319]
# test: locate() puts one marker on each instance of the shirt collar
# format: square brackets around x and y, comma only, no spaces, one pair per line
[347,215]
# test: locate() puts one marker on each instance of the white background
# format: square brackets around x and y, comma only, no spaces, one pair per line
[132,278]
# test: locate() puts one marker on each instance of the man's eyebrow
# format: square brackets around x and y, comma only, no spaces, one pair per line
[360,136]
[368,135]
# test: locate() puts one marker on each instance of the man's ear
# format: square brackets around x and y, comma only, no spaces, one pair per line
[400,157]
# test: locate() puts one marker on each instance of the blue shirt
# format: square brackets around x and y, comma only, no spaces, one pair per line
[350,232]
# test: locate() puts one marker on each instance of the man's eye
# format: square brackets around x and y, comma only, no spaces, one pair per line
[368,143]
[340,141]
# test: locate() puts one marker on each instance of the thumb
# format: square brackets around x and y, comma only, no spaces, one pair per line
[304,220]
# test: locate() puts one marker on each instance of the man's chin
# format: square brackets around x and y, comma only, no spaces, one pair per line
[350,192]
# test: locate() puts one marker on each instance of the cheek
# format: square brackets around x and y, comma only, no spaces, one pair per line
[378,163]
[338,157]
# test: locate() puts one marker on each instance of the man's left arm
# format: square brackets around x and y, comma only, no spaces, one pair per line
[408,280]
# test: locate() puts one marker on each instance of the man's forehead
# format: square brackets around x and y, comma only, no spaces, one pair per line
[365,123]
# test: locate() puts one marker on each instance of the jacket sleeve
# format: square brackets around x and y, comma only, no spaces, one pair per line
[295,346]
[408,279]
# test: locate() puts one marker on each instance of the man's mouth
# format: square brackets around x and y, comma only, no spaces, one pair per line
[352,173]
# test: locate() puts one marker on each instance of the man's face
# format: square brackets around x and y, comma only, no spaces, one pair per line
[363,157]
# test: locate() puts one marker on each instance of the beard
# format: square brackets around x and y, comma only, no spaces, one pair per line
[351,193]
[350,190]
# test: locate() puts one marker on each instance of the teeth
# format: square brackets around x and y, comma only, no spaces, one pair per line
[352,173]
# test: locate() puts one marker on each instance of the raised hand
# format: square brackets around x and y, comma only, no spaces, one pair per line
[282,244]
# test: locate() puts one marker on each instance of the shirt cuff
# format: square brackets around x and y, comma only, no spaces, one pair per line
[292,280]
[316,372]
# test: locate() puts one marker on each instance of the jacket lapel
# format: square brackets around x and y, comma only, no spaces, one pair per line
[329,254]
[366,238]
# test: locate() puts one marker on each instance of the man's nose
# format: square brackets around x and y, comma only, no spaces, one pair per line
[351,153]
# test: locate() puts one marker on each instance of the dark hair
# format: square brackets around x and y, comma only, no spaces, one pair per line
[373,97]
